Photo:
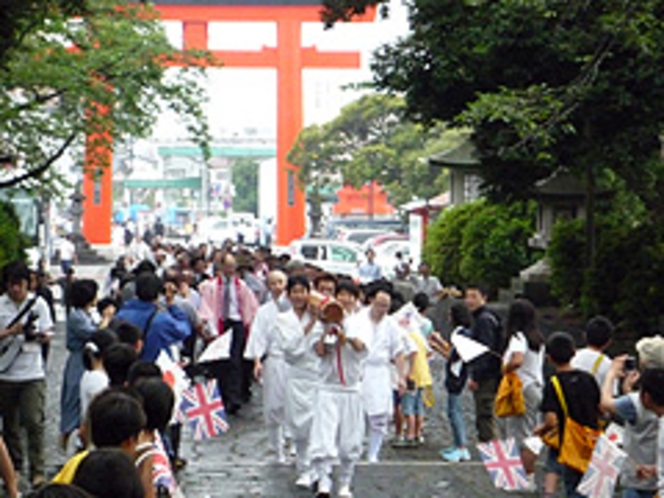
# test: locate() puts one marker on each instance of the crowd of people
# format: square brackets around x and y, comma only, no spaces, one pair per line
[338,362]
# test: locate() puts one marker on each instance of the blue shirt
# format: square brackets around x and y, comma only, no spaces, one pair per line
[168,327]
[369,272]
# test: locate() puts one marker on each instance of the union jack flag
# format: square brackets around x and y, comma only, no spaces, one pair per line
[203,408]
[162,474]
[602,473]
[503,461]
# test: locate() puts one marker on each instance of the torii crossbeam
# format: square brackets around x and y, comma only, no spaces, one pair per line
[289,58]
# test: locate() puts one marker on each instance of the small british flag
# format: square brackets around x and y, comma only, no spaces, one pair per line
[602,473]
[502,460]
[162,474]
[203,408]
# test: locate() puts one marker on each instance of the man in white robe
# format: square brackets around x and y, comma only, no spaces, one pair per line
[298,330]
[269,365]
[385,346]
[338,426]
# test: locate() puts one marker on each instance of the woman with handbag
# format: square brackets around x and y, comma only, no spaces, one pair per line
[523,362]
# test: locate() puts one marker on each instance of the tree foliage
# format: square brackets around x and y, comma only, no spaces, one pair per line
[543,84]
[371,139]
[626,284]
[87,82]
[245,181]
[14,242]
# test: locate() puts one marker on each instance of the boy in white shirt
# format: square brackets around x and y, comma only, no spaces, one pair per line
[591,359]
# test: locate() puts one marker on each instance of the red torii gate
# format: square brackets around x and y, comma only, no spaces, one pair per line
[289,58]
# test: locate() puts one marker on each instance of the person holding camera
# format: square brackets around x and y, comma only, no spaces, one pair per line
[641,423]
[25,324]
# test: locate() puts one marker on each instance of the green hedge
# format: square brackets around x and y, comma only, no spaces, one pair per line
[627,283]
[481,242]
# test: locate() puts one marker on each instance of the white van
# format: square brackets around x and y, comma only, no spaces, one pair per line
[331,256]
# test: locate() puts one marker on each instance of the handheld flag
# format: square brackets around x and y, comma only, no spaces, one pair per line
[600,478]
[616,434]
[408,317]
[203,409]
[219,349]
[502,460]
[162,474]
[468,349]
[175,377]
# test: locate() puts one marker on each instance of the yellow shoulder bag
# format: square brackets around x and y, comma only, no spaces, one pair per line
[578,441]
[509,398]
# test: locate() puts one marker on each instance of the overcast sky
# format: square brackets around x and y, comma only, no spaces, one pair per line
[246,98]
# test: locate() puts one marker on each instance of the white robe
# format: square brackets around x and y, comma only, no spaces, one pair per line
[385,345]
[338,426]
[263,341]
[303,370]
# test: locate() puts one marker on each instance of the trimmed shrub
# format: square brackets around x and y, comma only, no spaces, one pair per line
[482,242]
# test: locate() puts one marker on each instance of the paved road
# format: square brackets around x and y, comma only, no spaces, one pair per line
[237,463]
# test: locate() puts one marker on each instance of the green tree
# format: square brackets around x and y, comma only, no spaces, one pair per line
[371,139]
[315,153]
[14,242]
[543,84]
[18,18]
[54,97]
[245,181]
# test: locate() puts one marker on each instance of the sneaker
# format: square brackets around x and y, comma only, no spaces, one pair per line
[399,442]
[449,449]
[532,485]
[345,492]
[304,481]
[464,455]
[453,456]
[420,439]
[412,443]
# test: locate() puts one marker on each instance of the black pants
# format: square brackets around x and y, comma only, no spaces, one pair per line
[230,373]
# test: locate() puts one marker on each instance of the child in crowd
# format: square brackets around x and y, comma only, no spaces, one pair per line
[456,375]
[419,379]
[421,303]
[115,419]
[95,379]
[592,358]
[117,361]
[568,393]
[109,473]
[409,352]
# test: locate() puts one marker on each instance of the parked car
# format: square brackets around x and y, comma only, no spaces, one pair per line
[214,229]
[377,241]
[330,255]
[359,236]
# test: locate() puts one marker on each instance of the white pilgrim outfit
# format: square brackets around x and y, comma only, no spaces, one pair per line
[338,426]
[303,379]
[263,342]
[385,344]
